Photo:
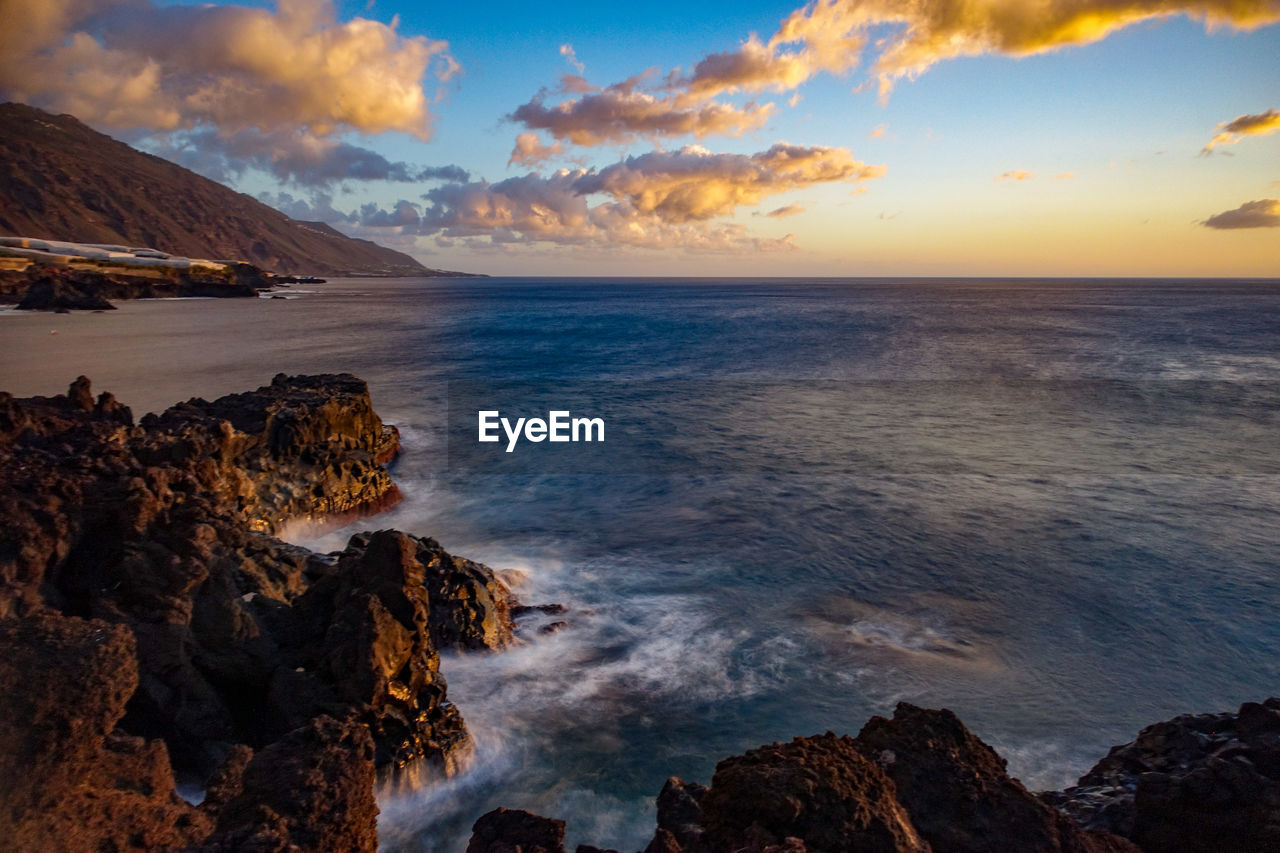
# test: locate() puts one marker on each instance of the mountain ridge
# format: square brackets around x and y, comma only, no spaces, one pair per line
[60,179]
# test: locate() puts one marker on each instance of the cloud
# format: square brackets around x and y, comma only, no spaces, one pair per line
[530,151]
[880,131]
[909,38]
[1263,213]
[783,212]
[659,200]
[1016,175]
[905,37]
[404,214]
[1231,132]
[318,209]
[694,184]
[622,113]
[1063,176]
[566,50]
[297,157]
[133,64]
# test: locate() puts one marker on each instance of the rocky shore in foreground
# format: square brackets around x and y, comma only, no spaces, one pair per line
[153,629]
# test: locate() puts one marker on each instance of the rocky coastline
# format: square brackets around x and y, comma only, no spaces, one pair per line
[153,630]
[64,289]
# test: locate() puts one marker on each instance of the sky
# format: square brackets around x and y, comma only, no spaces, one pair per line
[835,138]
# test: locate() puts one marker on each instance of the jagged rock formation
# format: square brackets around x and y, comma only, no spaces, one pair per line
[68,780]
[917,783]
[1194,783]
[958,792]
[310,790]
[222,640]
[62,180]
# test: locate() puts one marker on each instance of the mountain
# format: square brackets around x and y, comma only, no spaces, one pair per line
[62,180]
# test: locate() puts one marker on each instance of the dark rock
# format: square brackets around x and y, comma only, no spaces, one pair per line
[360,643]
[680,812]
[311,790]
[162,526]
[525,609]
[1188,783]
[820,790]
[55,290]
[69,781]
[553,627]
[227,782]
[958,793]
[514,831]
[46,288]
[469,607]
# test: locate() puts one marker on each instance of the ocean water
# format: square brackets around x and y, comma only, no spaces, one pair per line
[1052,506]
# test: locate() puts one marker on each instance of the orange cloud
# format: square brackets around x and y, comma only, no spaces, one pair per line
[131,64]
[1263,213]
[1062,176]
[694,184]
[784,212]
[1016,175]
[530,151]
[657,200]
[832,35]
[622,112]
[1231,132]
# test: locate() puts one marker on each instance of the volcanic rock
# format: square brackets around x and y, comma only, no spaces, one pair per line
[958,793]
[1189,783]
[311,790]
[514,831]
[820,790]
[68,780]
[161,527]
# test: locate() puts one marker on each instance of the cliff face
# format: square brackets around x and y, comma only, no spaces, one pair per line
[62,180]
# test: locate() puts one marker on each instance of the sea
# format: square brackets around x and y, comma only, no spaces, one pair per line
[1050,505]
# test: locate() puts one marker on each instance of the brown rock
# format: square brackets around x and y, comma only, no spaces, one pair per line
[68,780]
[1188,783]
[958,793]
[514,831]
[311,790]
[680,811]
[820,790]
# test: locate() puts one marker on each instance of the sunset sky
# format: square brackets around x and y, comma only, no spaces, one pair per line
[843,137]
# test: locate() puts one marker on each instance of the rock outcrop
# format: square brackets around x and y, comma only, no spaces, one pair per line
[289,680]
[515,831]
[69,780]
[819,790]
[958,793]
[920,782]
[49,288]
[1196,783]
[310,790]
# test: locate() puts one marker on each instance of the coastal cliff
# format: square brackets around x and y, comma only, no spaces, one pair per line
[153,630]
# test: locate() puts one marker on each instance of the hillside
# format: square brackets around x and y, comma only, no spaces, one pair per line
[62,180]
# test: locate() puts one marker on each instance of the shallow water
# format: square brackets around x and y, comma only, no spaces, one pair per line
[1052,506]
